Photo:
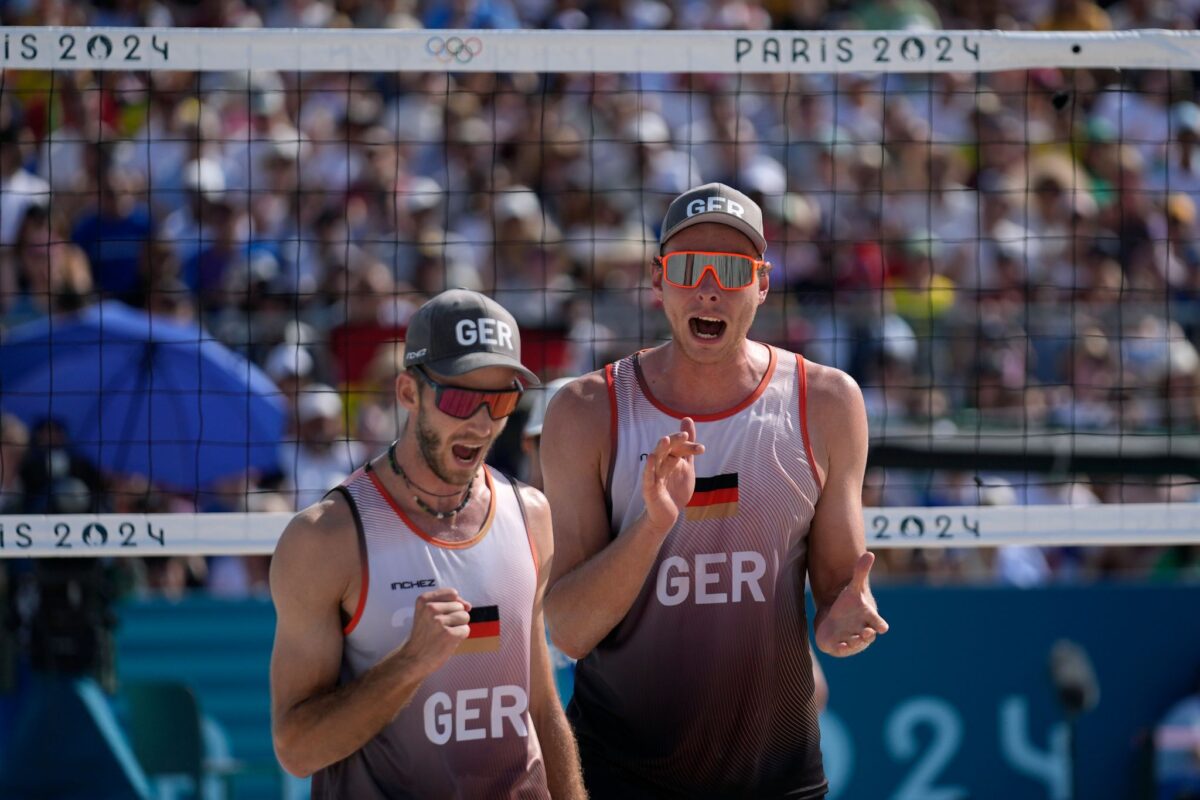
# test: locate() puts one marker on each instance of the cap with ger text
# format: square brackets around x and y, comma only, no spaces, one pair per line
[714,202]
[459,331]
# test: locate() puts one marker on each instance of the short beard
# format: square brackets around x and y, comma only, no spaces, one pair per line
[430,445]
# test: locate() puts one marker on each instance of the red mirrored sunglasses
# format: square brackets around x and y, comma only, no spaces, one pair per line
[462,403]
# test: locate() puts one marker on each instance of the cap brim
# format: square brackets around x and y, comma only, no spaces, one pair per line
[720,218]
[469,362]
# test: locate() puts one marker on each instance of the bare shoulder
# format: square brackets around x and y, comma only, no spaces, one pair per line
[832,394]
[586,397]
[579,413]
[536,504]
[318,549]
[836,417]
[575,452]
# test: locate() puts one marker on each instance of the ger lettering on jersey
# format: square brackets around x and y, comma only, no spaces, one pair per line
[705,687]
[467,732]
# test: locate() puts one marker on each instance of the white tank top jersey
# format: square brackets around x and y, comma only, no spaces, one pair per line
[705,688]
[467,732]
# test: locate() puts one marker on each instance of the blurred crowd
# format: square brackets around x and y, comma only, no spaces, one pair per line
[1002,251]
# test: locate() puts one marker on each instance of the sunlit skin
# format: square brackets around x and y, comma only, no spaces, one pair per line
[682,369]
[736,308]
[318,718]
[433,445]
[597,578]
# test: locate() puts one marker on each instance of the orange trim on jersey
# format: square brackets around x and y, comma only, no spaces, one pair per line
[610,380]
[802,368]
[537,562]
[757,393]
[364,581]
[362,598]
[433,540]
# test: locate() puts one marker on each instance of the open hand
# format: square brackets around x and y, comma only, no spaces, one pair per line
[853,621]
[669,477]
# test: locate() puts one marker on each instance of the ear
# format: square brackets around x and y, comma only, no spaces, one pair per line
[656,277]
[764,282]
[408,391]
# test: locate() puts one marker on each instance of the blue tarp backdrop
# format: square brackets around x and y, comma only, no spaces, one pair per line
[956,701]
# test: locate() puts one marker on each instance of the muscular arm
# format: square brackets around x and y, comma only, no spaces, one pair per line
[595,578]
[838,562]
[561,755]
[314,722]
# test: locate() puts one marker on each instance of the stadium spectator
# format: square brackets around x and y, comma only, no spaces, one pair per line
[1057,288]
[45,273]
[1075,15]
[19,189]
[14,441]
[114,231]
[321,456]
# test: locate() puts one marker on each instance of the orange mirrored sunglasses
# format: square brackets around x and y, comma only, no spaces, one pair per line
[685,269]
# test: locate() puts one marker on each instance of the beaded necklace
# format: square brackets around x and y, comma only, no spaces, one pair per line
[421,504]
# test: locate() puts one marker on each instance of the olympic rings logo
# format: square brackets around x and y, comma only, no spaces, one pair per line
[454,49]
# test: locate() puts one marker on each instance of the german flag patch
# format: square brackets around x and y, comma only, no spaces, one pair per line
[714,498]
[485,631]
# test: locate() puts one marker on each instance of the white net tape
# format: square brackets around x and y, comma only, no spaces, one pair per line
[93,535]
[826,52]
[206,50]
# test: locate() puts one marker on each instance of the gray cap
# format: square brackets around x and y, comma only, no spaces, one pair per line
[459,331]
[714,202]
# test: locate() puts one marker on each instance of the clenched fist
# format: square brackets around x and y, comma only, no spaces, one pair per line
[440,624]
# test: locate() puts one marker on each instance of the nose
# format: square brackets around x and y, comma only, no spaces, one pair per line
[708,289]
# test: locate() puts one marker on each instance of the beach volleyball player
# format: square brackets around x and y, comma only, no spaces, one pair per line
[693,487]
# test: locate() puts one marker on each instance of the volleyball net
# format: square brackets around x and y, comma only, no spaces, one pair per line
[213,239]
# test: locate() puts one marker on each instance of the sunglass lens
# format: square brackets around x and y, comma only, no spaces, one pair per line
[735,272]
[463,403]
[679,269]
[687,269]
[460,403]
[501,404]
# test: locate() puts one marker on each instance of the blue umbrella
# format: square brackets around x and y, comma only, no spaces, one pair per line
[141,395]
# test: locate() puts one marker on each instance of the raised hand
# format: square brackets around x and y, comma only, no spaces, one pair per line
[669,477]
[439,626]
[853,620]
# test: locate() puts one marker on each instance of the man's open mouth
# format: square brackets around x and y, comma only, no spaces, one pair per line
[706,327]
[465,454]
